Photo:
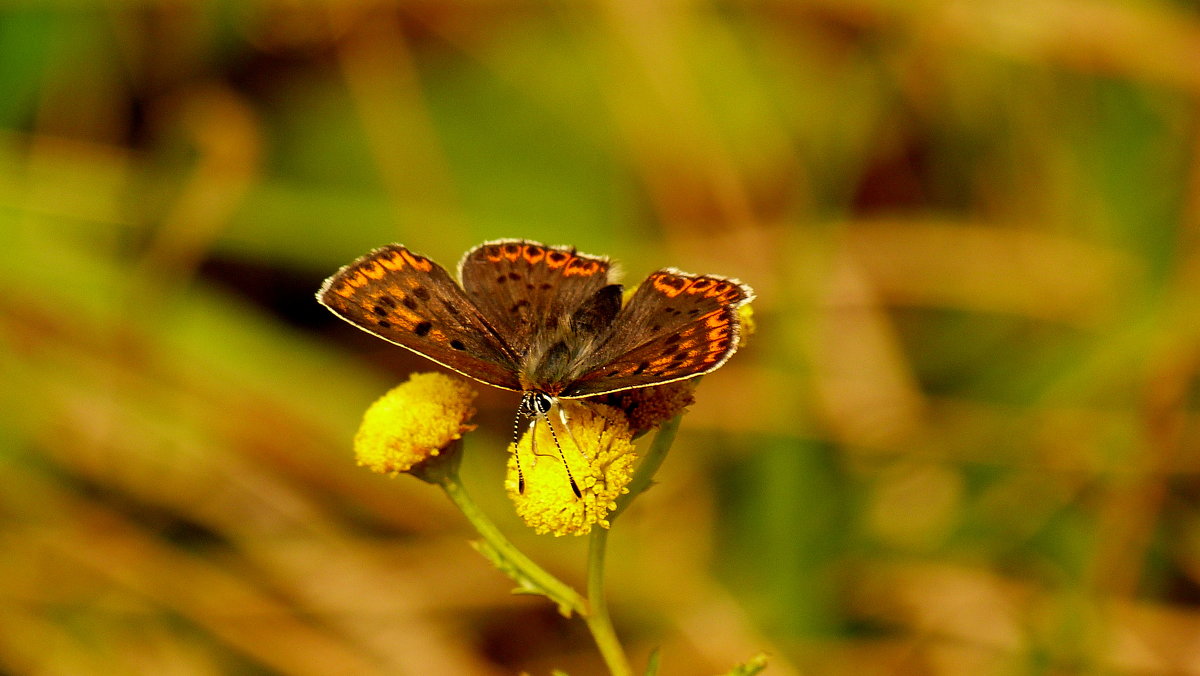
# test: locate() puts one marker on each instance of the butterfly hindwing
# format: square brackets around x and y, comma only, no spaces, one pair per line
[526,289]
[409,300]
[675,326]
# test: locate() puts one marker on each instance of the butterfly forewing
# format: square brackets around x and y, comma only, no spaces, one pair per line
[409,300]
[674,326]
[525,289]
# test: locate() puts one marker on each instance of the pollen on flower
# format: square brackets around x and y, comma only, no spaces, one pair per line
[602,465]
[413,423]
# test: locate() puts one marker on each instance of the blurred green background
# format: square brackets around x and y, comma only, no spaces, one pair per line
[963,441]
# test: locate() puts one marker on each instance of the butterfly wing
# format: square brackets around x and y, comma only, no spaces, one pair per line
[409,300]
[526,289]
[675,326]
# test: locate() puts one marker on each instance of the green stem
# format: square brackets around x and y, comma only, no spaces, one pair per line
[598,620]
[509,559]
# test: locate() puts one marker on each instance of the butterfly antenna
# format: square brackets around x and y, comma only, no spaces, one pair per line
[570,477]
[517,452]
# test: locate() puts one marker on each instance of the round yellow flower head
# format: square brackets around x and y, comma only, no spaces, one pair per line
[601,465]
[414,423]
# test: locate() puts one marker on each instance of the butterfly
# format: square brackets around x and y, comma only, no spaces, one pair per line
[546,321]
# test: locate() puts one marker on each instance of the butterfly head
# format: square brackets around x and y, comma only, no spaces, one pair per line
[536,404]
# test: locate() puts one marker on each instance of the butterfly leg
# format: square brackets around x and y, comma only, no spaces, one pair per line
[562,416]
[533,453]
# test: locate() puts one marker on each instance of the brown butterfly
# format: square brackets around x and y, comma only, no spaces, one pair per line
[542,320]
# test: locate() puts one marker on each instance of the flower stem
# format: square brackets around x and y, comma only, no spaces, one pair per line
[598,620]
[531,577]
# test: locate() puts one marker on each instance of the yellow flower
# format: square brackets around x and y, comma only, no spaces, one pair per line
[601,468]
[414,423]
[747,323]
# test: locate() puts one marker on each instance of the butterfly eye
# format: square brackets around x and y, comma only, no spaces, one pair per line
[535,403]
[541,402]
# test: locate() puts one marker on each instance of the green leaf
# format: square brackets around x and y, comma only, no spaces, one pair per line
[652,663]
[755,665]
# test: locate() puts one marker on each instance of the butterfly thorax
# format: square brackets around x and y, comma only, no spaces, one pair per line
[561,352]
[556,359]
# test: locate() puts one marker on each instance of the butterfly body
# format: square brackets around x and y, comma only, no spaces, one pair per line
[560,355]
[539,319]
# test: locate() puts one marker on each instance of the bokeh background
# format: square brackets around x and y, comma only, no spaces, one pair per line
[963,441]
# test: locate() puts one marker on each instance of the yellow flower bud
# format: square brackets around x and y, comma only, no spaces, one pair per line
[414,423]
[746,322]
